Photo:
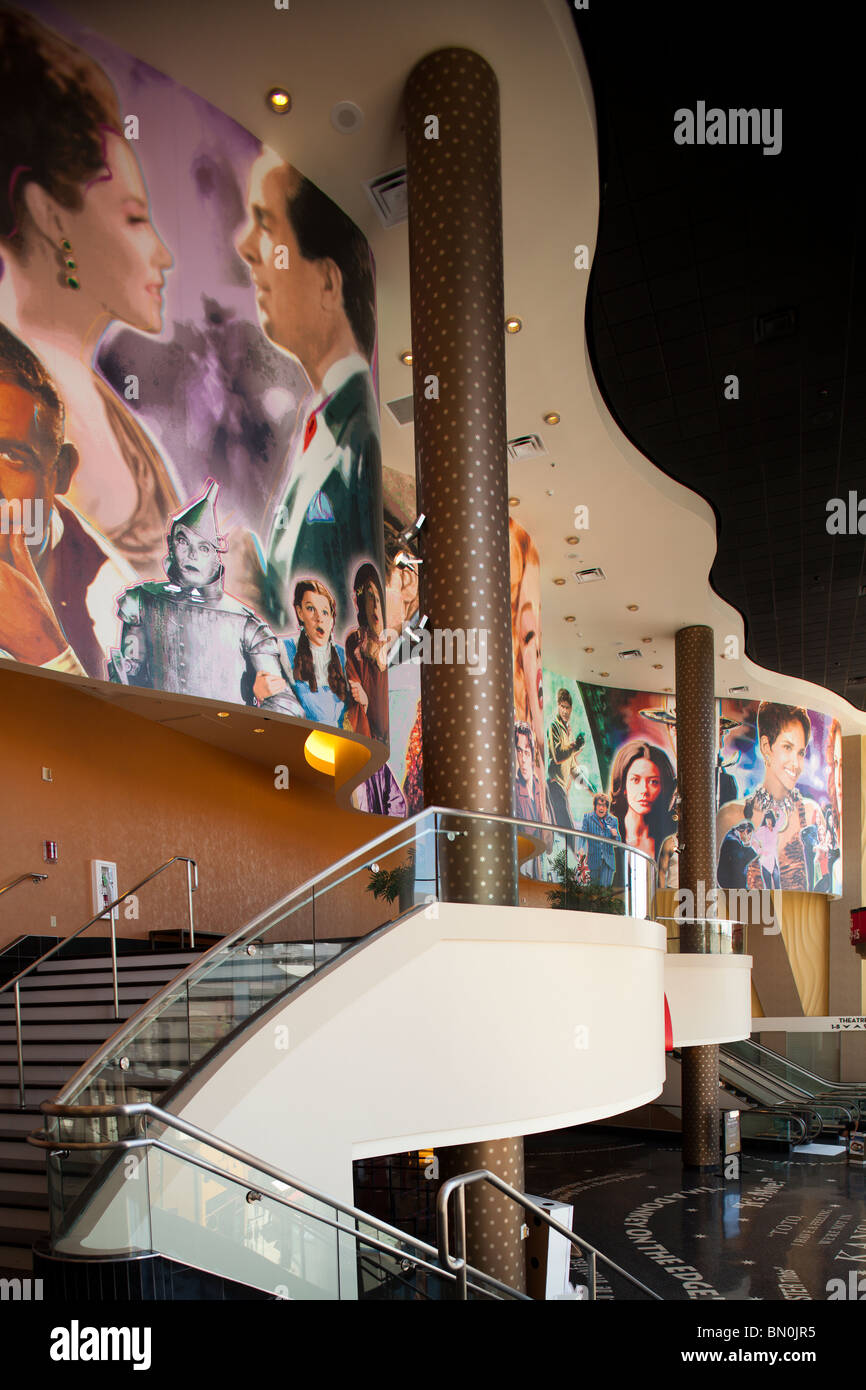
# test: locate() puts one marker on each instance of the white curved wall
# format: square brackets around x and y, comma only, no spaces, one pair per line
[710,998]
[462,1023]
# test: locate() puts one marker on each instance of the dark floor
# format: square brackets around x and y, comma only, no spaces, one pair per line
[780,1232]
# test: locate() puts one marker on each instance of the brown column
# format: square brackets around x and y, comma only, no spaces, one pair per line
[696,753]
[458,342]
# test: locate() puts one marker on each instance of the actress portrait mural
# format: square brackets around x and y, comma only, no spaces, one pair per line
[787,813]
[188,327]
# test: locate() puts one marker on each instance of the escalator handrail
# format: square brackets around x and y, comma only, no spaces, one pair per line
[851,1089]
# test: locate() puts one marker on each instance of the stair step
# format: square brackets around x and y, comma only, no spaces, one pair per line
[20,1157]
[16,1257]
[58,1032]
[178,959]
[12,1219]
[44,1053]
[65,980]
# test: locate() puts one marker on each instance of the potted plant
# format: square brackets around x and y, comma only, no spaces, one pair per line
[394,884]
[575,891]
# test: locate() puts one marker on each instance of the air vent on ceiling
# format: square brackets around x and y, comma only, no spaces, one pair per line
[629,656]
[856,680]
[387,193]
[589,576]
[738,690]
[403,409]
[527,447]
[781,323]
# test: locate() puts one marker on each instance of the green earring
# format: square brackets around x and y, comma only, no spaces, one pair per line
[69,265]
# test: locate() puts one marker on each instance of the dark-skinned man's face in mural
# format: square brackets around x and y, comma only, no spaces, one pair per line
[33,467]
[196,560]
[290,297]
[120,260]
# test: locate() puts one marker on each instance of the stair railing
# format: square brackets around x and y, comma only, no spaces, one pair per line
[386,1240]
[22,878]
[457,1263]
[108,908]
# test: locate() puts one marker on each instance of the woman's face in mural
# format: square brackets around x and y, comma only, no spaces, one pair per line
[121,262]
[316,618]
[784,759]
[642,786]
[529,639]
[373,610]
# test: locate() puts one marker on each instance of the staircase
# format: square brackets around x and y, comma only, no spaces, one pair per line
[67,1012]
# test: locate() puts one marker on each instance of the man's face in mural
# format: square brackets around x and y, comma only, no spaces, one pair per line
[784,759]
[315,617]
[643,786]
[288,297]
[524,759]
[121,262]
[373,610]
[32,464]
[195,559]
[529,638]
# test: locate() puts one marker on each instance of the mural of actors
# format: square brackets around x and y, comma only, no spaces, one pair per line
[263,394]
[789,797]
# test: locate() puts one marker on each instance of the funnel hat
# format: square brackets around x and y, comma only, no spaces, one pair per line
[200,517]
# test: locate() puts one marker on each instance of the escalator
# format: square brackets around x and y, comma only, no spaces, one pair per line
[761,1078]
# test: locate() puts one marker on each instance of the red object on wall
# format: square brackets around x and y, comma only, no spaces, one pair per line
[669,1028]
[858,926]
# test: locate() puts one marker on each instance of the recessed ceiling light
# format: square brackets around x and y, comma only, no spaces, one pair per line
[669,690]
[514,501]
[552,417]
[646,639]
[258,731]
[278,100]
[604,673]
[572,540]
[559,581]
[550,492]
[570,618]
[513,325]
[589,649]
[406,358]
[346,117]
[222,714]
[657,666]
[632,607]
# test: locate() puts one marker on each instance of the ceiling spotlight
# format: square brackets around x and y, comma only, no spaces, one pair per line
[513,325]
[570,618]
[278,100]
[406,358]
[646,639]
[657,666]
[604,673]
[550,492]
[222,714]
[258,731]
[632,607]
[589,649]
[552,417]
[514,501]
[572,540]
[669,690]
[559,581]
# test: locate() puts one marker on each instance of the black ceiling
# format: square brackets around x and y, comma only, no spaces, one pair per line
[698,243]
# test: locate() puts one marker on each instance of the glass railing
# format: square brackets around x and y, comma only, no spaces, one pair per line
[437,856]
[168,1188]
[762,1086]
[704,936]
[764,1123]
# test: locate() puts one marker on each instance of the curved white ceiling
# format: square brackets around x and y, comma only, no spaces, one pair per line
[654,539]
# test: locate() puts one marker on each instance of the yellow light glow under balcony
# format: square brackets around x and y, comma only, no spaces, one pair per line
[320,751]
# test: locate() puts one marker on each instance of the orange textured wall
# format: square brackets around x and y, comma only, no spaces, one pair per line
[128,790]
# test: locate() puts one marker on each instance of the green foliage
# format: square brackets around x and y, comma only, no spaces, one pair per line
[576,896]
[390,883]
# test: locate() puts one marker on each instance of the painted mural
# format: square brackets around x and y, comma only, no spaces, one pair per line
[190,468]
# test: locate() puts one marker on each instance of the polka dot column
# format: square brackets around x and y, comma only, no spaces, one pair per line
[458,346]
[696,755]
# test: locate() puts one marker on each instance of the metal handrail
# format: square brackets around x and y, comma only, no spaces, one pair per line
[40,1139]
[850,1089]
[36,878]
[108,908]
[251,928]
[458,1263]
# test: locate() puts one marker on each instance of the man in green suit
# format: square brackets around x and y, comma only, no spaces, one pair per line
[313,276]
